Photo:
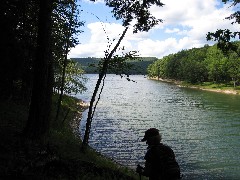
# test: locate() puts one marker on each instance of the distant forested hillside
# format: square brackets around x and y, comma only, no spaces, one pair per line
[89,65]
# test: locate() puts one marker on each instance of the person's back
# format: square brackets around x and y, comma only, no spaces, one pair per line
[160,159]
[161,163]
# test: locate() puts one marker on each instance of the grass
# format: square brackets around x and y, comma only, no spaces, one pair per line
[62,156]
[218,87]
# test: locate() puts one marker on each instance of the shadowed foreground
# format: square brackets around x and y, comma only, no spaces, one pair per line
[60,158]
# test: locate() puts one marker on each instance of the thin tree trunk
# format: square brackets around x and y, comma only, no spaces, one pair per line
[100,78]
[64,67]
[234,82]
[62,81]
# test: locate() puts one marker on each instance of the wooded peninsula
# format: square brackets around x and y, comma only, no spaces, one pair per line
[206,68]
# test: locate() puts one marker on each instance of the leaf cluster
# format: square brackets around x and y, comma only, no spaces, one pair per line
[224,37]
[19,36]
[121,65]
[74,79]
[198,65]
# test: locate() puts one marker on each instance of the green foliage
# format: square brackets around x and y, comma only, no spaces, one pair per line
[216,64]
[199,65]
[185,65]
[225,37]
[119,64]
[138,10]
[20,19]
[65,28]
[19,32]
[66,25]
[74,79]
[233,68]
[136,65]
[158,68]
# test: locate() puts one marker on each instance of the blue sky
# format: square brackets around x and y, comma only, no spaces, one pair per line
[185,25]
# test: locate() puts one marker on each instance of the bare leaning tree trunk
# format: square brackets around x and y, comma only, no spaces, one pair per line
[102,74]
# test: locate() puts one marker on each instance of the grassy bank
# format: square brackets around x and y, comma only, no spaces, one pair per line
[207,86]
[60,158]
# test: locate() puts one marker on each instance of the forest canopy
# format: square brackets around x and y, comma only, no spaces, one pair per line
[140,64]
[197,65]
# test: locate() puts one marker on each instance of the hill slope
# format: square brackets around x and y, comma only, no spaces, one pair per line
[88,64]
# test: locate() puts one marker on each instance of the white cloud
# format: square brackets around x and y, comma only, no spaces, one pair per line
[186,21]
[180,12]
[103,35]
[174,30]
[101,32]
[157,48]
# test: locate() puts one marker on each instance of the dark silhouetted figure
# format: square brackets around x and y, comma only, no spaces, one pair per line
[160,162]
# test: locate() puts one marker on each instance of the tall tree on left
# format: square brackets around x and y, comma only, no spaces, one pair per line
[38,120]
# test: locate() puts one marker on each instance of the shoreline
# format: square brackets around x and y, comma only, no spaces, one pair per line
[60,156]
[75,122]
[180,84]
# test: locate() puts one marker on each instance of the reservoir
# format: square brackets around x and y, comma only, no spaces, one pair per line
[203,128]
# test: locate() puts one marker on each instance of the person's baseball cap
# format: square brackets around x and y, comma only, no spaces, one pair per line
[150,133]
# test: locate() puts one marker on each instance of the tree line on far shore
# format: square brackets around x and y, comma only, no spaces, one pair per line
[198,65]
[90,64]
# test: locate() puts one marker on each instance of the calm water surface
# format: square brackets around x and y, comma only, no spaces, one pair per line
[203,128]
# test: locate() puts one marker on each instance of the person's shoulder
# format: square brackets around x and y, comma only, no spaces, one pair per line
[165,147]
[157,147]
[161,145]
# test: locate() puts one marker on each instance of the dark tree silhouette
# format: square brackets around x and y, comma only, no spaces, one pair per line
[225,36]
[68,35]
[38,120]
[102,74]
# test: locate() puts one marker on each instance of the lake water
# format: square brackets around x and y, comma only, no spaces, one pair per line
[203,128]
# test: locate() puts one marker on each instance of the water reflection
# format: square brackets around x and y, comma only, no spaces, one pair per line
[203,128]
